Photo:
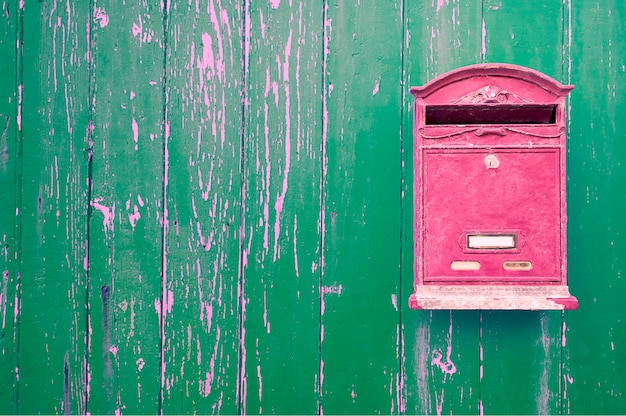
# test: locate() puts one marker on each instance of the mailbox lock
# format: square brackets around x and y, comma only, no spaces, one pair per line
[492,161]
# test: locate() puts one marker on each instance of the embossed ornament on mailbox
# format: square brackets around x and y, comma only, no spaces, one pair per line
[490,218]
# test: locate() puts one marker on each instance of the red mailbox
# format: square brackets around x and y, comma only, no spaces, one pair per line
[490,212]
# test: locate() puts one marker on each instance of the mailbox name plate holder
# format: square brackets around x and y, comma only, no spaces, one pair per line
[489,188]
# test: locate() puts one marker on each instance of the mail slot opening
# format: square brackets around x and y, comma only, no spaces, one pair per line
[490,114]
[491,241]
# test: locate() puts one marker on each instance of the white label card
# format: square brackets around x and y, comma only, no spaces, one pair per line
[491,241]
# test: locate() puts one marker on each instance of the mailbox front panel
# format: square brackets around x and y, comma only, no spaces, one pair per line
[490,211]
[491,214]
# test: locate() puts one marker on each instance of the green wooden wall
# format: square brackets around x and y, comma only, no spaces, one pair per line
[206,206]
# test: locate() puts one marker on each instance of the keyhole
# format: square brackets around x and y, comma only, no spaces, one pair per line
[492,162]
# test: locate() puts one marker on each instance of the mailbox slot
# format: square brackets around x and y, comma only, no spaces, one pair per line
[491,241]
[489,191]
[490,114]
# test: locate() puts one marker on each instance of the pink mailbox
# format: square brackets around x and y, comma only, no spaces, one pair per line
[490,214]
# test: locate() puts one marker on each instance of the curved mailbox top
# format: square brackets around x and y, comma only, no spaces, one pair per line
[492,83]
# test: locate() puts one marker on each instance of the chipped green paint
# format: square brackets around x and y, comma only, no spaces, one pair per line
[128,296]
[54,163]
[594,338]
[205,208]
[361,239]
[536,43]
[203,112]
[442,360]
[281,209]
[10,93]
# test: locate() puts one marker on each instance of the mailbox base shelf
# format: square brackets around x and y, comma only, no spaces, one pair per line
[511,297]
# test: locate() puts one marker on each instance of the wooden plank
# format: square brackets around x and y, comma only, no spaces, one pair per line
[520,364]
[441,349]
[509,382]
[10,67]
[360,370]
[281,230]
[127,212]
[595,336]
[204,112]
[524,33]
[53,211]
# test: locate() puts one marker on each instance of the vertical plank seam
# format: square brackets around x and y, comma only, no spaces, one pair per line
[566,74]
[90,149]
[166,132]
[19,135]
[403,176]
[245,36]
[323,170]
[560,372]
[483,40]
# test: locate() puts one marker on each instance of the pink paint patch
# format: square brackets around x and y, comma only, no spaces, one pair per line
[376,88]
[135,128]
[275,3]
[100,16]
[113,350]
[334,289]
[20,88]
[262,24]
[207,384]
[157,306]
[134,217]
[483,49]
[208,60]
[109,214]
[170,301]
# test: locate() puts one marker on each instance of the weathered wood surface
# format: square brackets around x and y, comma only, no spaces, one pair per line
[361,238]
[442,351]
[10,184]
[205,206]
[521,351]
[54,186]
[593,338]
[281,258]
[127,213]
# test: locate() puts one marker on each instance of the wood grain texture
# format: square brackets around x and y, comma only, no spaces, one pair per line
[535,42]
[126,301]
[10,68]
[204,113]
[206,207]
[361,239]
[281,229]
[53,208]
[594,335]
[521,351]
[441,362]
